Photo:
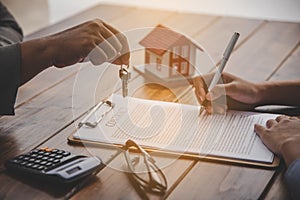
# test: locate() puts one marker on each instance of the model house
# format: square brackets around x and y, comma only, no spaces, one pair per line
[169,54]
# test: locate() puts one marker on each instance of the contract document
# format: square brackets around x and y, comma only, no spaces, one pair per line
[174,127]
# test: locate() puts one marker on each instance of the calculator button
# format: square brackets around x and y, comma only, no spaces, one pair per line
[55,150]
[37,161]
[16,161]
[35,151]
[40,168]
[23,163]
[33,156]
[26,158]
[66,153]
[52,155]
[48,164]
[29,164]
[58,156]
[45,158]
[60,152]
[56,161]
[46,154]
[39,157]
[35,166]
[43,162]
[20,157]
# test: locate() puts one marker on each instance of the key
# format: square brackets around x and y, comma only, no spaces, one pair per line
[124,75]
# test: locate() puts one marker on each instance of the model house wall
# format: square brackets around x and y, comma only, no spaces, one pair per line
[162,66]
[162,69]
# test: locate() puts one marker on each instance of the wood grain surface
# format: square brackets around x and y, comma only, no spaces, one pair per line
[266,51]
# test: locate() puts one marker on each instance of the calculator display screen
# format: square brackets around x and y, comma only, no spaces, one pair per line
[76,169]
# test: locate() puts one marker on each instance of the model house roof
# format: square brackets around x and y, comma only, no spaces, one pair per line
[161,39]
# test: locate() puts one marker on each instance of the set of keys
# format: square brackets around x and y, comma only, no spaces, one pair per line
[124,75]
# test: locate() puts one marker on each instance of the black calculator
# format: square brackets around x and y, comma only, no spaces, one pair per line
[55,164]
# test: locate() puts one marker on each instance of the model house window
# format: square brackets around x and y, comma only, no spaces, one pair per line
[184,68]
[185,51]
[158,64]
[175,52]
[147,57]
[175,66]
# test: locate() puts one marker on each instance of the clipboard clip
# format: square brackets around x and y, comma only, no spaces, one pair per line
[90,124]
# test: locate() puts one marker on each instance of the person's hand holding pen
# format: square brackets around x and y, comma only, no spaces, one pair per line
[230,92]
[217,75]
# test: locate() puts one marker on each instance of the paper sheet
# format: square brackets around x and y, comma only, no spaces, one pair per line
[177,127]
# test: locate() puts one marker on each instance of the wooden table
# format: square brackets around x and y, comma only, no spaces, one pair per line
[267,50]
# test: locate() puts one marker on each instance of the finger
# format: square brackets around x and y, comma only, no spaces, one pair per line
[270,123]
[97,56]
[124,55]
[198,82]
[202,94]
[111,38]
[209,108]
[109,50]
[112,29]
[284,117]
[198,97]
[125,51]
[260,130]
[199,90]
[281,117]
[216,92]
[227,78]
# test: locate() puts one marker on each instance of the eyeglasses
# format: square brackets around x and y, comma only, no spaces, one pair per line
[150,179]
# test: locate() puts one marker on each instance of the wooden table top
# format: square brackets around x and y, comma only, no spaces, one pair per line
[266,50]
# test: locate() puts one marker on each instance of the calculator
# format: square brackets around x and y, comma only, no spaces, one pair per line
[54,164]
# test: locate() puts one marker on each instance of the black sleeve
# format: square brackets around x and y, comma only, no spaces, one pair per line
[8,22]
[10,60]
[292,179]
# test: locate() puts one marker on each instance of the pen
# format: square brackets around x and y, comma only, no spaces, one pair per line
[220,69]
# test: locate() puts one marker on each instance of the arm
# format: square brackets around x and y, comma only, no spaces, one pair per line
[9,77]
[10,60]
[94,41]
[279,93]
[292,179]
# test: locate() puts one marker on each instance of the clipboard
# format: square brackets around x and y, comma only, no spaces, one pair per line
[107,106]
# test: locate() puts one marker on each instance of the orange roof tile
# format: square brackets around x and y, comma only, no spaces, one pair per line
[161,39]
